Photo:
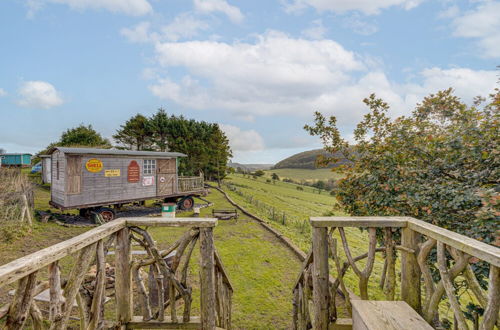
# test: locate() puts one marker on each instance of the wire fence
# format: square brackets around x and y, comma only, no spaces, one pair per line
[270,212]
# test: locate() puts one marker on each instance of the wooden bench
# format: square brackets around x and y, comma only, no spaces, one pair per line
[225,214]
[385,315]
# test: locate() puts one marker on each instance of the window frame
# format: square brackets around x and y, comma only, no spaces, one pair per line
[149,166]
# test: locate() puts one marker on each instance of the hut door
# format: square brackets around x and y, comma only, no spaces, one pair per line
[74,174]
[166,180]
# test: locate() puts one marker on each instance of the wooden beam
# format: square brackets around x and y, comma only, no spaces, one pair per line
[21,267]
[321,293]
[123,280]
[475,248]
[410,270]
[207,279]
[358,221]
[175,222]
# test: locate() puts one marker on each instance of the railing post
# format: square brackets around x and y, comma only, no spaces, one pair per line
[123,281]
[321,294]
[207,278]
[410,271]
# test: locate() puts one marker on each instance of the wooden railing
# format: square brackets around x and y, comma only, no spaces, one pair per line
[190,183]
[436,269]
[96,278]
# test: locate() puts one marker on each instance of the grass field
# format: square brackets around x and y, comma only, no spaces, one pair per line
[261,269]
[299,206]
[299,175]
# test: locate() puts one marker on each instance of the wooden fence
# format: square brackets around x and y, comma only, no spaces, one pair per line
[89,291]
[435,263]
[190,183]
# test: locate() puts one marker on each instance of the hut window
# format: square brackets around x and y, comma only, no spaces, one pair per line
[149,166]
[57,169]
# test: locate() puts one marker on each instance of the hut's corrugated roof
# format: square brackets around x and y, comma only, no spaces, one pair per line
[116,152]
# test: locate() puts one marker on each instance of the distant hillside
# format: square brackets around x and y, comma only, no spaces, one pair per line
[250,167]
[306,160]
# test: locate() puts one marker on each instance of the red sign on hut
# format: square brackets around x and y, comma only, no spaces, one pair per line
[133,172]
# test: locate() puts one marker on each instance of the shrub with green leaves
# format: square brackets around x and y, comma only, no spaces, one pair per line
[440,164]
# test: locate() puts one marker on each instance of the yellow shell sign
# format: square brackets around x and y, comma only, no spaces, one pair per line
[93,165]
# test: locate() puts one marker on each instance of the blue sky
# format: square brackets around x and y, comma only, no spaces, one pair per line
[259,68]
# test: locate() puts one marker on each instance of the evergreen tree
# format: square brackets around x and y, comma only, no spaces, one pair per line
[135,133]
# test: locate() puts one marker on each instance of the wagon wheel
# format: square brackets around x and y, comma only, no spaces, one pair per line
[106,214]
[187,203]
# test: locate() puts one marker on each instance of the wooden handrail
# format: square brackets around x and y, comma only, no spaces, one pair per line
[175,222]
[473,247]
[358,221]
[21,267]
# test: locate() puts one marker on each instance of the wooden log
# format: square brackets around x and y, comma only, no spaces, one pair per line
[55,291]
[493,307]
[423,254]
[143,295]
[20,306]
[177,222]
[207,278]
[75,280]
[123,282]
[431,312]
[36,316]
[390,281]
[321,295]
[358,222]
[99,290]
[410,270]
[82,311]
[448,286]
[295,311]
[340,275]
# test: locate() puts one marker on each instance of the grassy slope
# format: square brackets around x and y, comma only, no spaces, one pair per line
[299,174]
[302,205]
[261,269]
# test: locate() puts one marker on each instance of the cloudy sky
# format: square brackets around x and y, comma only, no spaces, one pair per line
[259,68]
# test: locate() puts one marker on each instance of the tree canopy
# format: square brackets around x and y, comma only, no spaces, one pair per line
[205,143]
[440,164]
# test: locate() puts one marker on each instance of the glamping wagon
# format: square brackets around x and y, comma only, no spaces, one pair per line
[90,179]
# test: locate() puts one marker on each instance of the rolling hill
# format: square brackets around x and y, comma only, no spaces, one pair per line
[306,160]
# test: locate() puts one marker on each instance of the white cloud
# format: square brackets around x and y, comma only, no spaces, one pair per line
[182,26]
[316,31]
[483,24]
[128,7]
[209,6]
[254,79]
[358,25]
[39,94]
[241,140]
[368,7]
[2,92]
[138,33]
[258,79]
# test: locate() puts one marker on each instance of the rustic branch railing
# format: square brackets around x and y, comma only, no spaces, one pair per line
[190,183]
[422,246]
[92,281]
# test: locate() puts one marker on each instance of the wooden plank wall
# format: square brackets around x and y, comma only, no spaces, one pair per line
[97,188]
[57,186]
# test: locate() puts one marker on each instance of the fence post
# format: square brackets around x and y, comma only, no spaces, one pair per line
[410,271]
[207,278]
[123,281]
[321,294]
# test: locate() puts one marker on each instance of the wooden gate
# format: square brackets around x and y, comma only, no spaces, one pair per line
[166,181]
